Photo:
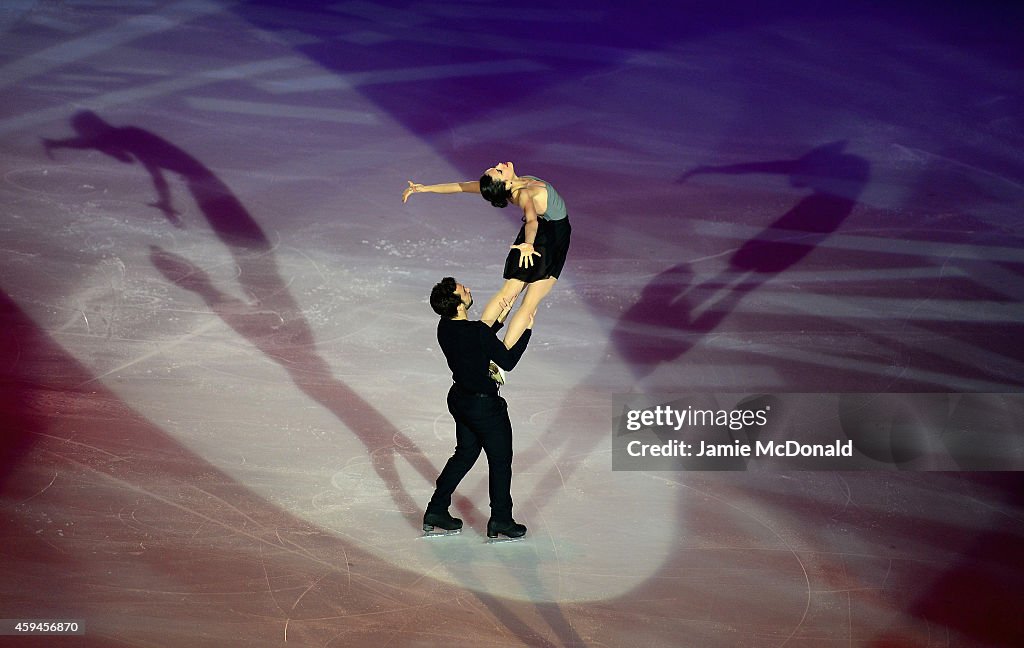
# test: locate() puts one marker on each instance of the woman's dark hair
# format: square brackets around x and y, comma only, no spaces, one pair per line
[443,299]
[494,191]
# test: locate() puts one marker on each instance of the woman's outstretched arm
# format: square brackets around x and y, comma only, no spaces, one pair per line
[472,186]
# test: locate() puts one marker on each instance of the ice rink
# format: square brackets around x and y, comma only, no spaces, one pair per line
[222,402]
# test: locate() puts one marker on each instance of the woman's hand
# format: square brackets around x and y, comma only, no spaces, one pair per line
[526,254]
[410,190]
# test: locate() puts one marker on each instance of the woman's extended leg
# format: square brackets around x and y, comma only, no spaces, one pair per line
[535,292]
[508,293]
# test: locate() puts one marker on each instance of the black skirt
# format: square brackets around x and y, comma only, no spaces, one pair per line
[552,241]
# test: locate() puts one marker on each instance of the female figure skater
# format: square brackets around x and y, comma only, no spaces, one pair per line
[537,256]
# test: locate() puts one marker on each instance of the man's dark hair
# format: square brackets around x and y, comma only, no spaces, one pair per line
[443,299]
[494,191]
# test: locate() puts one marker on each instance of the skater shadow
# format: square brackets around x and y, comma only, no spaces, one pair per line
[272,321]
[673,312]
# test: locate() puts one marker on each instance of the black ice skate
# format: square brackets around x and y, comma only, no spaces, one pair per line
[440,524]
[510,529]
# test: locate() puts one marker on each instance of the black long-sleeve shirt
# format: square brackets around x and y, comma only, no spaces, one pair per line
[470,345]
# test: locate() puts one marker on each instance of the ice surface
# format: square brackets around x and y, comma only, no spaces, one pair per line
[223,404]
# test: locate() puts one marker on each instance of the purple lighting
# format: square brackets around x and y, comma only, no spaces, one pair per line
[222,401]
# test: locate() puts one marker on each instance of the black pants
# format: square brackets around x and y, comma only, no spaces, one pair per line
[480,422]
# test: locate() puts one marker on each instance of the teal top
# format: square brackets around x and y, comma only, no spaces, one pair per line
[556,206]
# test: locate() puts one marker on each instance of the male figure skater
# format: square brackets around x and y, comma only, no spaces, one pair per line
[481,415]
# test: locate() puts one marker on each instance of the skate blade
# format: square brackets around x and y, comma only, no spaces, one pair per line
[503,540]
[440,533]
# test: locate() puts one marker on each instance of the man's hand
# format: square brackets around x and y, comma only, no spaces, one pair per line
[506,307]
[526,254]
